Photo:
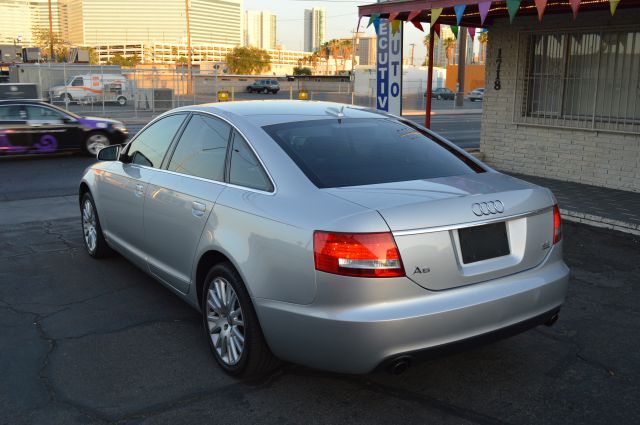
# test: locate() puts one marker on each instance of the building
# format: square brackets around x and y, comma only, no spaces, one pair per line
[282,61]
[440,48]
[315,28]
[562,95]
[19,17]
[110,22]
[366,49]
[259,29]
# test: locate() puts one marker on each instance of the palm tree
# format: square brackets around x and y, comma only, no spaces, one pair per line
[426,44]
[449,45]
[483,38]
[347,47]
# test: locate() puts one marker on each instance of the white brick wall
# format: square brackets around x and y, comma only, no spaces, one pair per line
[593,157]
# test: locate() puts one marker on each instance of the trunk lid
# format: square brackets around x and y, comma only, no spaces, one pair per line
[427,218]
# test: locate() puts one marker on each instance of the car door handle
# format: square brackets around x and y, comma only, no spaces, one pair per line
[139,190]
[198,209]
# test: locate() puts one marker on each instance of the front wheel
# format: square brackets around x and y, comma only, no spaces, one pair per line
[265,91]
[231,325]
[121,100]
[94,241]
[439,97]
[94,142]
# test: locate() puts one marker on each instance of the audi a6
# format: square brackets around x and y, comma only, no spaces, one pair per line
[327,235]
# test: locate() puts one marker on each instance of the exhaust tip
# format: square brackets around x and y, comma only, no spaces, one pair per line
[399,365]
[552,320]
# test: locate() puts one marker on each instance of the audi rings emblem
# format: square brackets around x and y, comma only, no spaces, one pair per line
[487,208]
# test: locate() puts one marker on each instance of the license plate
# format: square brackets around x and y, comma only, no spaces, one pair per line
[483,242]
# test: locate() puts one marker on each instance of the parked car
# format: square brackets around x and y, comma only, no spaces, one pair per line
[264,86]
[34,127]
[442,93]
[476,94]
[328,235]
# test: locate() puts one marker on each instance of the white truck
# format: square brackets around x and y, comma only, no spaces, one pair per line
[93,88]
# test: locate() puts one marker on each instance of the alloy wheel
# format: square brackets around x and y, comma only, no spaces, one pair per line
[225,321]
[89,226]
[95,142]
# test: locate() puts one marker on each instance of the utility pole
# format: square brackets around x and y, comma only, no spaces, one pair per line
[188,46]
[462,60]
[51,58]
[413,46]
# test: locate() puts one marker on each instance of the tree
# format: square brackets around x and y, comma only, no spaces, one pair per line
[41,39]
[298,70]
[449,46]
[483,38]
[118,59]
[248,60]
[426,44]
[182,60]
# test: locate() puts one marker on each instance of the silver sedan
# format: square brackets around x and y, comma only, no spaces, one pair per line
[327,235]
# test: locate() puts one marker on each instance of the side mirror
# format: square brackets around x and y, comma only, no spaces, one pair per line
[109,153]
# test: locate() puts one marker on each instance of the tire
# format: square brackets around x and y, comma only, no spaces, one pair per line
[66,97]
[222,329]
[249,90]
[93,238]
[122,101]
[265,91]
[439,97]
[95,141]
[275,92]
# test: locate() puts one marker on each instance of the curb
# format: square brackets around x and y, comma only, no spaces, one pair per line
[599,221]
[414,113]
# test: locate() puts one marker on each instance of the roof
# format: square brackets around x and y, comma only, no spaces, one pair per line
[471,17]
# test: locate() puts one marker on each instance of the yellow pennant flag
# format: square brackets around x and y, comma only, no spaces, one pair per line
[395,25]
[435,14]
[613,5]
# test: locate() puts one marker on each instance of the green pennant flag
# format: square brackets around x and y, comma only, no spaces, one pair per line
[613,5]
[373,18]
[454,30]
[512,8]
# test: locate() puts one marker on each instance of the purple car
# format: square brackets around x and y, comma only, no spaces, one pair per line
[34,127]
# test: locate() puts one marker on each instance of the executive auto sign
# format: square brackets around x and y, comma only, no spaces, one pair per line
[389,68]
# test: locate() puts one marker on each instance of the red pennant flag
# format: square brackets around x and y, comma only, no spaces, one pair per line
[393,16]
[575,5]
[436,29]
[418,25]
[540,5]
[413,15]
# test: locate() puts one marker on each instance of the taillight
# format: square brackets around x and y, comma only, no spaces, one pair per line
[557,224]
[357,254]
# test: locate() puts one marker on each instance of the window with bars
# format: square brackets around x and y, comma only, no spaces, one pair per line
[585,80]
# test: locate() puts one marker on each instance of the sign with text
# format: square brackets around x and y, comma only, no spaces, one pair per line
[389,69]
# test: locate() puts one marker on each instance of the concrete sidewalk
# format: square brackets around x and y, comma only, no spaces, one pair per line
[414,112]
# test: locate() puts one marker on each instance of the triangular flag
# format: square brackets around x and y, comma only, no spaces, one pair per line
[540,5]
[393,16]
[413,15]
[472,32]
[376,24]
[435,14]
[575,5]
[454,30]
[613,5]
[512,8]
[418,25]
[436,29]
[484,10]
[372,19]
[395,25]
[459,12]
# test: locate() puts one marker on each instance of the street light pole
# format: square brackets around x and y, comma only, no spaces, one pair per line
[188,46]
[462,61]
[50,34]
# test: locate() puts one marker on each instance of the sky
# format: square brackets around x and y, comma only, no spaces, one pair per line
[342,18]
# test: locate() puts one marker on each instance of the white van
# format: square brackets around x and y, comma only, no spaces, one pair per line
[92,88]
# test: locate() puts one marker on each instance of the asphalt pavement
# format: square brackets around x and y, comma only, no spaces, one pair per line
[88,341]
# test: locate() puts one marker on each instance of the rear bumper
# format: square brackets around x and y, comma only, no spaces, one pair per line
[358,338]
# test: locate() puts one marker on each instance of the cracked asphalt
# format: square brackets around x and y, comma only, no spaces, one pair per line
[91,342]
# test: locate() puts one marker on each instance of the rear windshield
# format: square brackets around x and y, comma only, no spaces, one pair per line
[366,151]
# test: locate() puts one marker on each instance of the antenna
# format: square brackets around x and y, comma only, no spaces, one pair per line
[338,113]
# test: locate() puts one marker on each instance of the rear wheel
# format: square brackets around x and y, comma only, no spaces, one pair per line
[121,100]
[231,325]
[93,238]
[439,97]
[94,142]
[66,98]
[265,90]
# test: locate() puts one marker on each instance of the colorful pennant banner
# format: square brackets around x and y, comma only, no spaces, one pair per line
[393,16]
[575,5]
[459,12]
[395,25]
[436,30]
[540,5]
[418,25]
[613,5]
[484,7]
[454,30]
[472,32]
[413,15]
[372,19]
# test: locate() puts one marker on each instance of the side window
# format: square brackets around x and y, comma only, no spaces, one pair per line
[202,148]
[41,113]
[245,169]
[150,146]
[13,113]
[78,82]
